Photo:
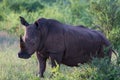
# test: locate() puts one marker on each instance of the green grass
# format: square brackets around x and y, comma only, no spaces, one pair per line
[11,67]
[79,12]
[14,68]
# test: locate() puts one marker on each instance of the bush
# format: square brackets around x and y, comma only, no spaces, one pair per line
[114,37]
[29,7]
[105,13]
[100,69]
[105,70]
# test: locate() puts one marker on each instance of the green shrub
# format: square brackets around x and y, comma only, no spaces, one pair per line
[105,13]
[29,7]
[104,70]
[114,37]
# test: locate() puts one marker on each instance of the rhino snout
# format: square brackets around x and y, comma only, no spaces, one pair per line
[24,55]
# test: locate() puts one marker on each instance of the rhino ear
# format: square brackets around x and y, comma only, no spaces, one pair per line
[40,23]
[23,21]
[37,24]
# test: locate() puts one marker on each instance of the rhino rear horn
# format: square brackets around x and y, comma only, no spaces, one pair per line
[23,21]
[22,44]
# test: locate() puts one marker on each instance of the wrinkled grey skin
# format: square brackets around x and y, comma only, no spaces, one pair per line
[64,44]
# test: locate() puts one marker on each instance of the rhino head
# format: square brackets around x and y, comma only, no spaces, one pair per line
[30,42]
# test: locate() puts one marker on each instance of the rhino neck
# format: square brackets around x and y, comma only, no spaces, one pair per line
[43,37]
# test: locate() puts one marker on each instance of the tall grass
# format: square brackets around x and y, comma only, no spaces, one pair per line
[11,67]
[14,68]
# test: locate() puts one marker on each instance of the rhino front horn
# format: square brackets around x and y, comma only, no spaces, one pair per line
[21,40]
[23,21]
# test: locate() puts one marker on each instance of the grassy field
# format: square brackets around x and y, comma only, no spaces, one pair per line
[13,68]
[103,15]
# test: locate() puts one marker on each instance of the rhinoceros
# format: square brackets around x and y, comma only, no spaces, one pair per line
[61,43]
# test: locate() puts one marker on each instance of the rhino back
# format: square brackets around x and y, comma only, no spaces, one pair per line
[80,44]
[55,38]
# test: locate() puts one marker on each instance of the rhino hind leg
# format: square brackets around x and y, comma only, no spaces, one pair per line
[100,53]
[55,59]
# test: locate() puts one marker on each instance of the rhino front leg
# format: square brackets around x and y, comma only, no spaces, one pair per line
[42,64]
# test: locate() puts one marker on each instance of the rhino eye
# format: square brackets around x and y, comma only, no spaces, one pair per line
[28,40]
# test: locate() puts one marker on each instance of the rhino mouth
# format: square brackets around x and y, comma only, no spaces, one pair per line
[24,55]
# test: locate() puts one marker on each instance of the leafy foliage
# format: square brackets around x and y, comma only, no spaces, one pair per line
[104,14]
[105,70]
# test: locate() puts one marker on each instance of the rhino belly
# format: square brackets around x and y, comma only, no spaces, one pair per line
[75,61]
